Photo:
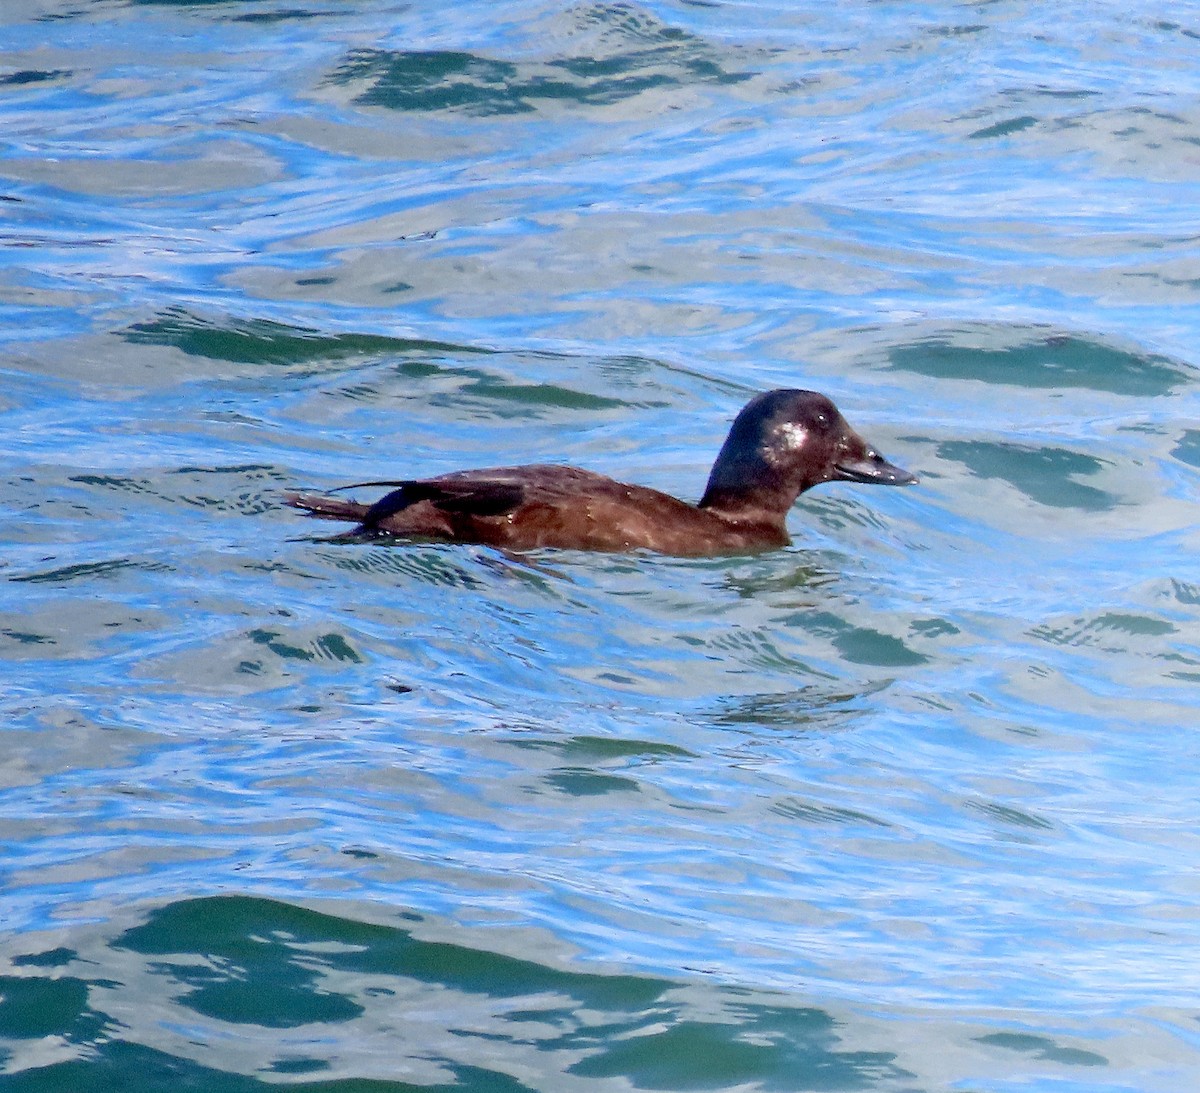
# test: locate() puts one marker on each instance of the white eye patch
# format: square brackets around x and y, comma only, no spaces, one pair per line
[792,435]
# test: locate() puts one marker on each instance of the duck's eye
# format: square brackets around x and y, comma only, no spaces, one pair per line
[822,419]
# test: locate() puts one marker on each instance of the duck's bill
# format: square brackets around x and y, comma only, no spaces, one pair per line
[873,469]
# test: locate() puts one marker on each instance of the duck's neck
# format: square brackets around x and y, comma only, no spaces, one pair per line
[766,501]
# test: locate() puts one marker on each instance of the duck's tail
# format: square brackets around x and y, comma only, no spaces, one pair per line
[329,508]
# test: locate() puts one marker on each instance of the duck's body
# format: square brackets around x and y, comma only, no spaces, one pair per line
[782,443]
[523,508]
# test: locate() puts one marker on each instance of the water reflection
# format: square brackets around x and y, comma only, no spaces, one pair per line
[312,992]
[1046,475]
[264,341]
[632,53]
[1057,361]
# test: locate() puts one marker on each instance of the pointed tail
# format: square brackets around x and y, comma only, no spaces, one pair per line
[330,508]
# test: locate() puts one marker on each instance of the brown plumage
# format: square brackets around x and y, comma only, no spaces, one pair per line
[781,444]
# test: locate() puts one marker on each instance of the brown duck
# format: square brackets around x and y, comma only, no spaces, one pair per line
[782,443]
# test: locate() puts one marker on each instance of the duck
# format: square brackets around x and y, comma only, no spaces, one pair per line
[782,443]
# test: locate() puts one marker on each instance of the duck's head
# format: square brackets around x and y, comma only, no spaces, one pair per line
[785,442]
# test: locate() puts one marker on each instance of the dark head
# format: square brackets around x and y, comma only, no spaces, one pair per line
[783,443]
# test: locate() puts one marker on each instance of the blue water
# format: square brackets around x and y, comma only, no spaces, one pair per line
[908,806]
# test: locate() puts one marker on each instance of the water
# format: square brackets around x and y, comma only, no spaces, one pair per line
[909,806]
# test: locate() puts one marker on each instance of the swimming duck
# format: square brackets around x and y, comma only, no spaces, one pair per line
[782,443]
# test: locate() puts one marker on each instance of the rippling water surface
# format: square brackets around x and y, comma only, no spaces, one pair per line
[909,806]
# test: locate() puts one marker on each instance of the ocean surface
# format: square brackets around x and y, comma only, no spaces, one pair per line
[909,807]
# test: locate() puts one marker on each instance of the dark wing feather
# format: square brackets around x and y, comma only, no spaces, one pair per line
[473,498]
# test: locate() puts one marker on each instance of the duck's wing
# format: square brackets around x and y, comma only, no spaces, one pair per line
[465,496]
[476,496]
[521,508]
